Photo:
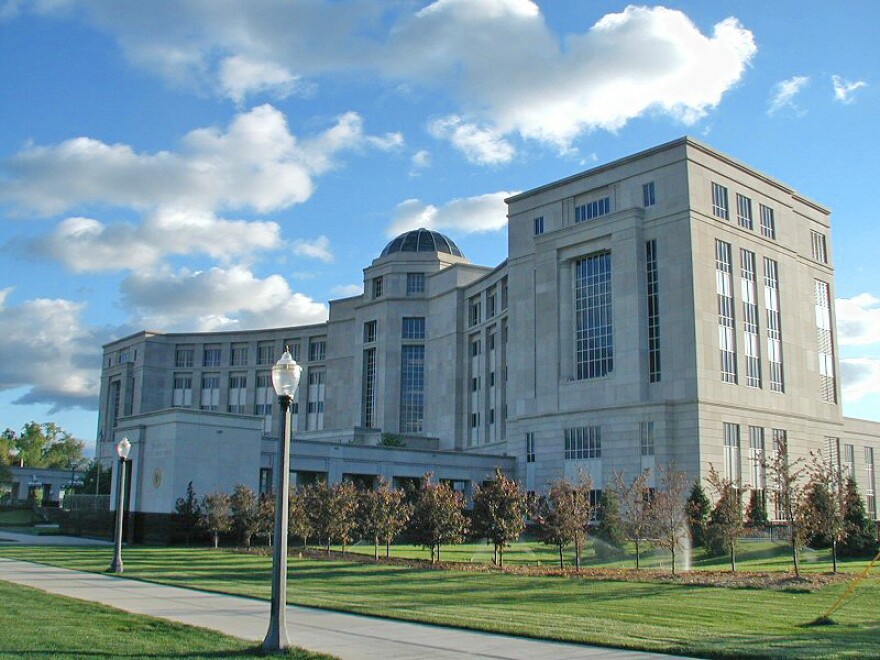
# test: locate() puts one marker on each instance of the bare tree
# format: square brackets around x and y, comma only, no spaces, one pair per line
[726,519]
[669,511]
[635,508]
[788,482]
[216,514]
[499,513]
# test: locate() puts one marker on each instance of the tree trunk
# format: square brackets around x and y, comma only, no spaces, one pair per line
[673,557]
[577,555]
[438,552]
[561,562]
[388,549]
[732,560]
[376,548]
[834,554]
[328,546]
[794,555]
[216,540]
[501,556]
[495,555]
[637,553]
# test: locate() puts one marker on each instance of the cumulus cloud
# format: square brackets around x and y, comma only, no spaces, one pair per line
[479,145]
[784,92]
[483,213]
[215,299]
[507,70]
[421,159]
[844,90]
[858,320]
[318,248]
[47,348]
[861,378]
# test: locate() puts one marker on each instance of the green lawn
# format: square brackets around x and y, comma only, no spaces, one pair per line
[674,618]
[35,624]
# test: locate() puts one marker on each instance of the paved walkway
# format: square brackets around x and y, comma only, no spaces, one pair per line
[342,635]
[12,538]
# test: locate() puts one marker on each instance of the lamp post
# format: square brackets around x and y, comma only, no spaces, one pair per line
[285,380]
[122,449]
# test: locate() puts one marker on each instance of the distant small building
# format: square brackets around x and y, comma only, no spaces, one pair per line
[42,485]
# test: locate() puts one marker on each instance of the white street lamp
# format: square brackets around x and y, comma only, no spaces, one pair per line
[285,380]
[122,450]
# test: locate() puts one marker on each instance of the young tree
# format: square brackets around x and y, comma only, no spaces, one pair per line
[756,511]
[726,520]
[826,505]
[564,515]
[317,507]
[187,511]
[266,516]
[383,514]
[300,513]
[438,516]
[787,477]
[499,513]
[97,480]
[861,533]
[698,509]
[216,515]
[610,527]
[669,509]
[245,512]
[343,507]
[635,510]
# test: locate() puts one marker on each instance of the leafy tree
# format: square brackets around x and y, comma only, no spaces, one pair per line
[788,478]
[343,508]
[188,511]
[635,512]
[216,517]
[669,511]
[499,513]
[438,516]
[97,479]
[391,440]
[564,516]
[302,509]
[726,520]
[610,527]
[316,501]
[244,508]
[826,506]
[756,511]
[383,513]
[861,533]
[698,508]
[44,445]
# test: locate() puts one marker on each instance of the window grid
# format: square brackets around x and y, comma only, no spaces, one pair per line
[594,340]
[751,340]
[648,197]
[584,442]
[774,324]
[368,394]
[744,212]
[415,283]
[768,222]
[530,447]
[756,458]
[238,356]
[210,395]
[653,291]
[377,287]
[825,343]
[732,465]
[413,327]
[266,354]
[849,462]
[646,438]
[726,321]
[182,392]
[317,350]
[538,225]
[591,210]
[412,388]
[870,485]
[264,395]
[719,202]
[819,247]
[370,331]
[183,357]
[237,393]
[211,356]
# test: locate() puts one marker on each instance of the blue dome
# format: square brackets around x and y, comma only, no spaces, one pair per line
[422,240]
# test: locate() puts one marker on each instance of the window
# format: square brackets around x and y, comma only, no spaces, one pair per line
[719,202]
[412,388]
[476,347]
[774,324]
[317,350]
[491,299]
[475,420]
[744,212]
[377,287]
[503,293]
[475,384]
[648,198]
[237,393]
[368,389]
[211,356]
[530,447]
[653,292]
[870,485]
[849,462]
[732,465]
[415,283]
[591,210]
[413,327]
[820,249]
[756,458]
[370,332]
[238,355]
[825,342]
[292,345]
[210,392]
[539,225]
[182,393]
[726,324]
[584,442]
[315,397]
[491,416]
[594,340]
[266,353]
[264,395]
[768,222]
[646,438]
[183,357]
[751,341]
[476,312]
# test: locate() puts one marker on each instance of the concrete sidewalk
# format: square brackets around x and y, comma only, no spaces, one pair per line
[13,538]
[343,635]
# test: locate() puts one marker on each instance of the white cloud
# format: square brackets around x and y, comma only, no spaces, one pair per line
[218,298]
[483,213]
[858,320]
[784,92]
[421,159]
[47,348]
[844,90]
[316,249]
[347,290]
[861,378]
[479,145]
[507,70]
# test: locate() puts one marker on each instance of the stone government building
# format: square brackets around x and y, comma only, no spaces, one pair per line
[674,306]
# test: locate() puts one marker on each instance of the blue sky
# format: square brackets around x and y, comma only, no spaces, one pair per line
[214,164]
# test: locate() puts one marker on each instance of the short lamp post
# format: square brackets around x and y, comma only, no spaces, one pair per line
[285,380]
[122,449]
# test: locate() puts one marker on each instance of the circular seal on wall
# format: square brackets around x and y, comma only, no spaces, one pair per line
[157,477]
